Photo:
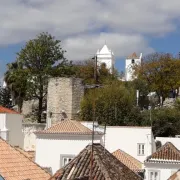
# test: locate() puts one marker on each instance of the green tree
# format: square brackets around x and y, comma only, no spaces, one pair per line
[161,73]
[5,97]
[86,71]
[114,105]
[16,79]
[38,60]
[165,121]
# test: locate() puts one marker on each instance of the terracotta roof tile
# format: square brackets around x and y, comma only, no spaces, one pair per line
[133,56]
[128,160]
[28,154]
[67,127]
[6,110]
[105,166]
[175,176]
[14,165]
[168,152]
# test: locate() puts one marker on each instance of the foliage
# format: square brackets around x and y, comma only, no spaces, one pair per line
[40,59]
[86,71]
[113,104]
[160,72]
[165,121]
[16,79]
[5,97]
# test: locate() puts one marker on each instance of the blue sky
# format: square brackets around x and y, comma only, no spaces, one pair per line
[83,26]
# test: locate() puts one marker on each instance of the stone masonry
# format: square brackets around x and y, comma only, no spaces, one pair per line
[63,98]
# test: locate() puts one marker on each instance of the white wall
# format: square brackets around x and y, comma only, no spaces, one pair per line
[128,70]
[29,136]
[14,125]
[174,140]
[127,139]
[106,56]
[165,170]
[48,151]
[2,121]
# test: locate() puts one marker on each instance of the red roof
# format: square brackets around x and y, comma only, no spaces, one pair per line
[105,166]
[167,153]
[8,111]
[68,127]
[14,165]
[133,56]
[128,160]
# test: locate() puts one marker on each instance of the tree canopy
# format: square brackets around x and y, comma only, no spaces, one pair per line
[160,72]
[39,59]
[114,105]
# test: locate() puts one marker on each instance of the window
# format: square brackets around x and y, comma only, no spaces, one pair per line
[65,159]
[141,151]
[133,61]
[154,175]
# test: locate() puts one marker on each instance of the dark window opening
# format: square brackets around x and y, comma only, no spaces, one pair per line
[133,61]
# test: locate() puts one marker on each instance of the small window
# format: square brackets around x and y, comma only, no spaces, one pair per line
[141,151]
[65,159]
[154,175]
[133,61]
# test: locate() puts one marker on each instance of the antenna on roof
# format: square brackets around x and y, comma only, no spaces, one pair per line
[104,136]
[94,117]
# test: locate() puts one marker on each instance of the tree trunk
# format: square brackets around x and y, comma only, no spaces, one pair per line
[40,109]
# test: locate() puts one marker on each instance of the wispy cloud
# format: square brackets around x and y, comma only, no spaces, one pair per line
[79,23]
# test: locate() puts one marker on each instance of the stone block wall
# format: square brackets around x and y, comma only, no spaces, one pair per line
[63,98]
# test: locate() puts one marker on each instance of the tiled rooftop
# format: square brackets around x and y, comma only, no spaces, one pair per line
[105,166]
[6,110]
[133,56]
[168,152]
[128,160]
[67,127]
[14,165]
[28,154]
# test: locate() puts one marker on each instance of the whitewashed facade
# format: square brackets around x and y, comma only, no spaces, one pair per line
[129,64]
[163,163]
[28,130]
[136,141]
[11,128]
[55,148]
[106,56]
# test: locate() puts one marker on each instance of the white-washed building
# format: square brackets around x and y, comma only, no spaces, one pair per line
[129,65]
[135,140]
[106,56]
[11,126]
[59,144]
[162,163]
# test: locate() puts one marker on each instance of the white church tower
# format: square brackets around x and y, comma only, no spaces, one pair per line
[130,62]
[106,56]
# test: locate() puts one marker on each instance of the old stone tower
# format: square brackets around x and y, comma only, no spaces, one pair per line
[63,99]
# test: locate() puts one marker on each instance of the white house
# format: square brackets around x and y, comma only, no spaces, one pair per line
[106,56]
[163,163]
[136,141]
[57,145]
[129,64]
[11,126]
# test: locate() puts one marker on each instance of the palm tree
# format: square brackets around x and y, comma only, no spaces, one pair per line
[15,78]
